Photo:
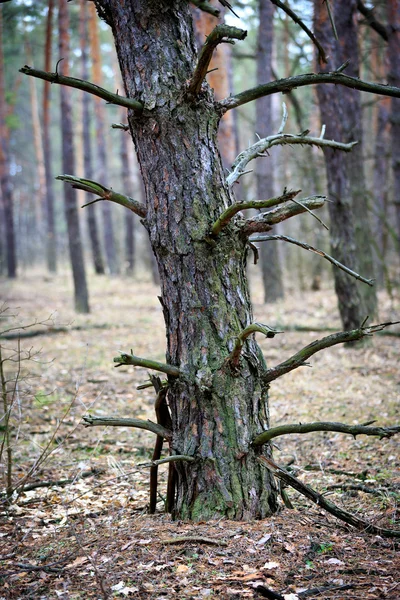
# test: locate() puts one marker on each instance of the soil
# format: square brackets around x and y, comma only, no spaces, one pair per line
[92,537]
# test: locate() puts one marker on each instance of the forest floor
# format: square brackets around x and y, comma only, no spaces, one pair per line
[93,537]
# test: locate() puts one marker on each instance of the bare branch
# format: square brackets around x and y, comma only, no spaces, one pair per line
[298,21]
[131,359]
[231,211]
[221,33]
[299,359]
[120,422]
[339,265]
[206,7]
[122,126]
[86,86]
[168,459]
[291,83]
[322,502]
[279,139]
[268,331]
[198,539]
[381,432]
[264,222]
[105,193]
[332,20]
[368,13]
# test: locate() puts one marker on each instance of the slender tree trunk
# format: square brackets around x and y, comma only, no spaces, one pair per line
[394,79]
[342,235]
[102,162]
[130,220]
[51,240]
[68,163]
[5,180]
[87,100]
[270,261]
[204,292]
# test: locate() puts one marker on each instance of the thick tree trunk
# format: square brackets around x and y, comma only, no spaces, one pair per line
[215,412]
[102,162]
[68,162]
[342,235]
[394,79]
[5,181]
[270,260]
[51,241]
[97,256]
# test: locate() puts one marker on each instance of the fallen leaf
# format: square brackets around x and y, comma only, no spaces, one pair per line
[271,565]
[80,560]
[182,569]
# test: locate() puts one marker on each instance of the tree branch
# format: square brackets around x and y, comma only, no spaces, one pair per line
[299,359]
[231,211]
[120,422]
[368,13]
[290,83]
[264,222]
[169,459]
[381,432]
[86,86]
[221,33]
[105,193]
[206,7]
[321,501]
[268,331]
[131,359]
[261,148]
[339,265]
[298,21]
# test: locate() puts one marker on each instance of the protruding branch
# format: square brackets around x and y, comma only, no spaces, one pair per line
[169,459]
[268,331]
[206,7]
[298,21]
[86,86]
[368,13]
[221,33]
[231,211]
[120,422]
[105,193]
[381,432]
[290,240]
[264,222]
[323,503]
[123,126]
[290,83]
[261,148]
[131,359]
[299,359]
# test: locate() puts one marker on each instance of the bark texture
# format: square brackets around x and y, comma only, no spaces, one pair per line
[270,260]
[215,411]
[394,79]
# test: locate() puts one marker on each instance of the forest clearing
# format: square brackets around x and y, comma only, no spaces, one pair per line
[95,532]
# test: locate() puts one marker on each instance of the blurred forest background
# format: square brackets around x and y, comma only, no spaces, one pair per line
[33,225]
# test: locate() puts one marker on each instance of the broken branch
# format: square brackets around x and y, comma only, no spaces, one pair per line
[206,7]
[136,361]
[268,331]
[121,422]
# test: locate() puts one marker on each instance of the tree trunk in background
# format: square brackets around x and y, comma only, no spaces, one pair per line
[102,162]
[68,164]
[270,263]
[346,23]
[342,235]
[51,241]
[394,79]
[381,186]
[204,291]
[5,180]
[97,256]
[130,218]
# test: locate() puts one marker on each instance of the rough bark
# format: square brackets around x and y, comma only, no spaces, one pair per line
[68,164]
[97,256]
[51,241]
[270,260]
[215,412]
[102,161]
[5,180]
[394,79]
[342,235]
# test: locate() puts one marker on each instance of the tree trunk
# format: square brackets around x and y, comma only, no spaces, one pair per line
[394,79]
[102,162]
[346,22]
[68,162]
[97,256]
[5,181]
[342,235]
[130,220]
[204,292]
[51,240]
[270,261]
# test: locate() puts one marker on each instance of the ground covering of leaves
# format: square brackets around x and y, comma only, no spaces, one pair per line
[93,538]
